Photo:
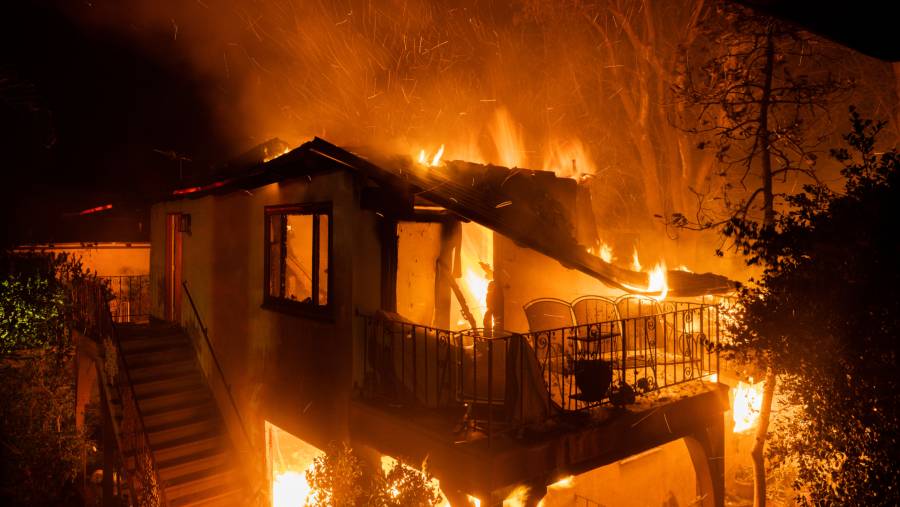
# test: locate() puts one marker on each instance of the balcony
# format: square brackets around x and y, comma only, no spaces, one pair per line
[510,383]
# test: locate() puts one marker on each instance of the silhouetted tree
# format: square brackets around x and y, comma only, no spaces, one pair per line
[751,87]
[825,314]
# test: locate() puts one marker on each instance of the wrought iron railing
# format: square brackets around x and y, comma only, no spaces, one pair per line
[507,381]
[93,316]
[223,380]
[130,297]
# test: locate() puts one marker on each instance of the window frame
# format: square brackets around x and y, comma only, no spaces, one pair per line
[285,305]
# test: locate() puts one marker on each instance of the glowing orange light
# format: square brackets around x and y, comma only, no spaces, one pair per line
[658,282]
[517,497]
[746,405]
[635,262]
[275,155]
[435,159]
[95,210]
[606,253]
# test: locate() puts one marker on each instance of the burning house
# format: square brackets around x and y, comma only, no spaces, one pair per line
[439,311]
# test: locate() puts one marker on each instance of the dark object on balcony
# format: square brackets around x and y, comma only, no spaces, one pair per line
[622,395]
[645,385]
[593,378]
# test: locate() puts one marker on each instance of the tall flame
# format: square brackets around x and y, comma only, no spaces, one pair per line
[746,405]
[435,159]
[635,262]
[606,253]
[658,282]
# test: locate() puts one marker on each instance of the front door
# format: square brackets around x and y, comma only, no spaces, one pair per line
[173,267]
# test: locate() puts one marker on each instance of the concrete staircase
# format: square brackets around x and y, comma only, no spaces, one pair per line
[187,435]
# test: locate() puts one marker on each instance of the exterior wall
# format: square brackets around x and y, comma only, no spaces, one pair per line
[107,259]
[527,275]
[295,372]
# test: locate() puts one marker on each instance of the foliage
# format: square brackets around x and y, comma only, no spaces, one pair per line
[36,300]
[340,478]
[31,313]
[756,91]
[825,313]
[41,449]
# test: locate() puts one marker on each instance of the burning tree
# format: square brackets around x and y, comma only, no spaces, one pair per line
[825,313]
[757,92]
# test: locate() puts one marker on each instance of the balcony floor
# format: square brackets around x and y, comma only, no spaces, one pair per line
[478,463]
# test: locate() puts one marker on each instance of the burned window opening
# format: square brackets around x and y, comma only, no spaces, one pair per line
[298,256]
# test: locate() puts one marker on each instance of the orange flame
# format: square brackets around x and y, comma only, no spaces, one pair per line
[517,497]
[635,262]
[435,159]
[658,282]
[746,405]
[606,253]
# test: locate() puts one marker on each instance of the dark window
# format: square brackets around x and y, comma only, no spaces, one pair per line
[298,251]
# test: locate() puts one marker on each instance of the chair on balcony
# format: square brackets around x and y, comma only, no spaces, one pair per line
[598,324]
[551,323]
[641,322]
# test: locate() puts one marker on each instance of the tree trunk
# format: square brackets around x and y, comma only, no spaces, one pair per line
[758,452]
[765,412]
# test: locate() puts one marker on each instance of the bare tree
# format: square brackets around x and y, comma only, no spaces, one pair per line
[758,93]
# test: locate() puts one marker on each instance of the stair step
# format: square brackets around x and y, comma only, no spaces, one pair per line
[181,410]
[176,382]
[164,399]
[156,372]
[160,357]
[189,463]
[226,496]
[172,387]
[150,344]
[212,477]
[190,444]
[176,429]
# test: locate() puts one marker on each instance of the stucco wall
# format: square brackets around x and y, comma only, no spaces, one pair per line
[527,275]
[106,259]
[295,372]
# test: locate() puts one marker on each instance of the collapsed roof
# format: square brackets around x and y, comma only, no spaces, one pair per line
[529,207]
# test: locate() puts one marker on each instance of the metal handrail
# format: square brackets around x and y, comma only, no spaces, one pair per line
[104,319]
[215,359]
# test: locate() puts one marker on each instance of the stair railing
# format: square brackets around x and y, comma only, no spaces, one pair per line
[212,353]
[144,482]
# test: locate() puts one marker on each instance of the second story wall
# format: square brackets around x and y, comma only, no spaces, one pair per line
[292,369]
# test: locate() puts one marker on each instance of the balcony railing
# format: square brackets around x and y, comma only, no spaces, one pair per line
[511,380]
[130,297]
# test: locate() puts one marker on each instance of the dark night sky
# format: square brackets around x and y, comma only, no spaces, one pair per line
[83,109]
[81,113]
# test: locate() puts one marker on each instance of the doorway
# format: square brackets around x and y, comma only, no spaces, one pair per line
[173,267]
